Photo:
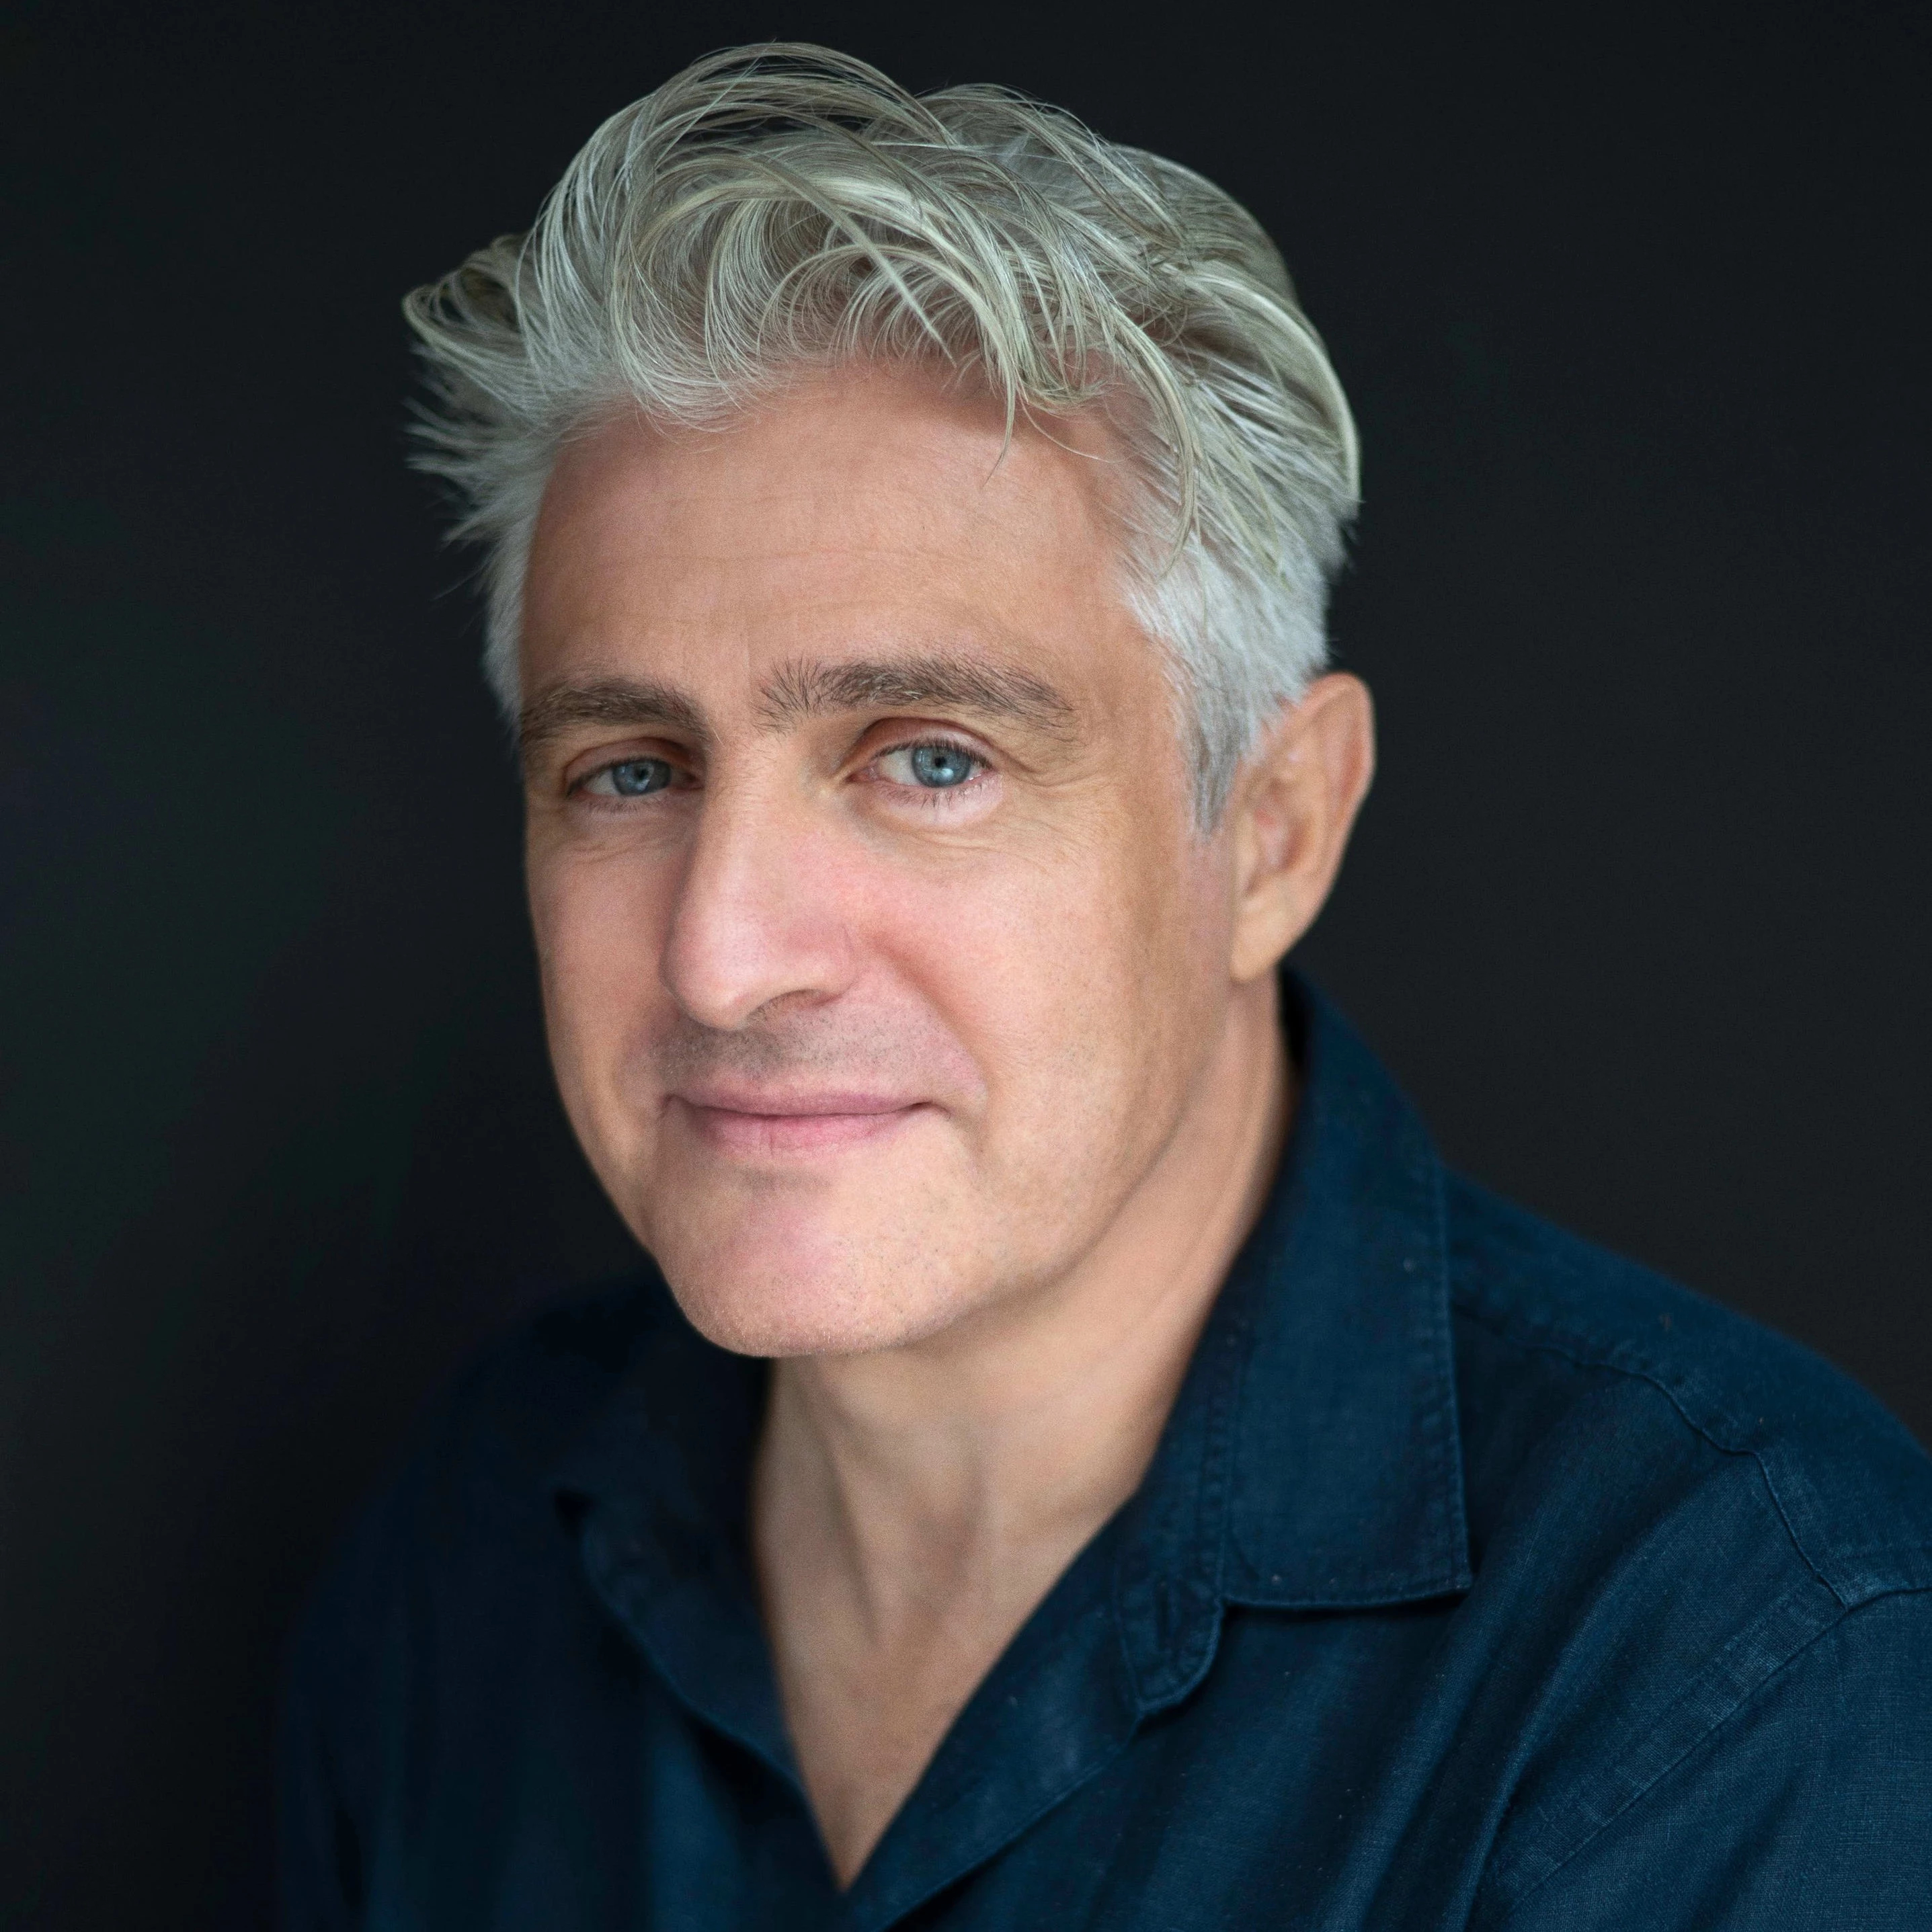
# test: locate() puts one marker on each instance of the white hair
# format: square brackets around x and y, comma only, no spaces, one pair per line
[782,207]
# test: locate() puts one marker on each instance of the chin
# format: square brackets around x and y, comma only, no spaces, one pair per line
[837,1263]
[794,1313]
[780,1282]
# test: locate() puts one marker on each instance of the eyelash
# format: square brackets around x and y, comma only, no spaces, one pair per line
[580,787]
[928,798]
[931,798]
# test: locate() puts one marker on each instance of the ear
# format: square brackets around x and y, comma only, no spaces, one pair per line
[1293,803]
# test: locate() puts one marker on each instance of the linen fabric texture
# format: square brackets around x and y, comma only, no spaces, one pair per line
[1481,1579]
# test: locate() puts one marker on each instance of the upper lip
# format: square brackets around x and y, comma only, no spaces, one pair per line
[728,1099]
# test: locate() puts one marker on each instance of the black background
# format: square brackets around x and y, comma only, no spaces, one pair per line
[1634,311]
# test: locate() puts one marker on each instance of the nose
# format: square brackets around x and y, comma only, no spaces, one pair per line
[758,917]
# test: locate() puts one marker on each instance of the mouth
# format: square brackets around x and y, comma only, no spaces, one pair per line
[764,1126]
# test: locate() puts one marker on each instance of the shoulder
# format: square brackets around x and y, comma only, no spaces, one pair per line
[1703,1590]
[1567,1352]
[447,1581]
[1703,1559]
[503,1423]
[471,1489]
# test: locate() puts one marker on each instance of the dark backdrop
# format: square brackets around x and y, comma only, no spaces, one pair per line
[1634,314]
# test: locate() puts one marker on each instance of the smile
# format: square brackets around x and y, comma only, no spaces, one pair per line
[820,1124]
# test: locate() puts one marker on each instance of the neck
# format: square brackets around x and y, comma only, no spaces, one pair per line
[911,1507]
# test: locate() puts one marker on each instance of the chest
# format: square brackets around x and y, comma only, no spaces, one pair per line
[1328,1773]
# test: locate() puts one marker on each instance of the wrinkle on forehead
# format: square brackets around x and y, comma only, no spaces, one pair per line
[869,542]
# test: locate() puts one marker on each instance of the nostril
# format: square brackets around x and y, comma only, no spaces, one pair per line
[754,923]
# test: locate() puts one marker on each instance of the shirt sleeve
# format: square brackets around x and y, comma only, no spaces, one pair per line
[1810,1807]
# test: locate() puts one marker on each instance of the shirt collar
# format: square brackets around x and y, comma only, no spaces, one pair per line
[1312,1460]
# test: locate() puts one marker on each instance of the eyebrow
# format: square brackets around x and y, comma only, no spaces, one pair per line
[805,689]
[607,700]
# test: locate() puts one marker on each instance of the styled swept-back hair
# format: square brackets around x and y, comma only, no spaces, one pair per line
[783,207]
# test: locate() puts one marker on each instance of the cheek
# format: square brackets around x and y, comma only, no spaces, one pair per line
[599,919]
[1081,977]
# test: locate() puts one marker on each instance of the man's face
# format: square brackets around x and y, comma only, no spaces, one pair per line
[880,950]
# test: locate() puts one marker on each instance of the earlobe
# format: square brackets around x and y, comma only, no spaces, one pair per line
[1294,805]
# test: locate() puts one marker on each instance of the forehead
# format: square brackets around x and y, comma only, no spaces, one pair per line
[864,512]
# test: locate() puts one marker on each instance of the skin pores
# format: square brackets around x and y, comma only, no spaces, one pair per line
[884,965]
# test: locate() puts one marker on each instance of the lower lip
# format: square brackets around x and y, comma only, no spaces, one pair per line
[767,1134]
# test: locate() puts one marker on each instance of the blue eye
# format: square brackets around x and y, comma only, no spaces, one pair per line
[941,767]
[638,778]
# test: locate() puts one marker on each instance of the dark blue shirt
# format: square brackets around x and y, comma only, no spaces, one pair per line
[1481,1579]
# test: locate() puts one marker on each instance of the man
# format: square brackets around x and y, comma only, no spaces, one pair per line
[1076,1459]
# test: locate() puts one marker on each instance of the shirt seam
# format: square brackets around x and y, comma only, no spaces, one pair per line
[1642,1794]
[1548,1339]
